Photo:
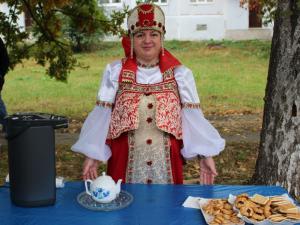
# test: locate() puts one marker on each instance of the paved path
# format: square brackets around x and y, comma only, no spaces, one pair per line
[60,138]
[243,128]
[69,139]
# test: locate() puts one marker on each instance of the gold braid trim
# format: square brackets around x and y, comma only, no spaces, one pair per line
[190,105]
[104,104]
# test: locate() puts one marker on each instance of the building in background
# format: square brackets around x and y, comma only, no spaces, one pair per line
[205,19]
[196,19]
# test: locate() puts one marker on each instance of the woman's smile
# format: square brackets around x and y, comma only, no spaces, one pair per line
[147,45]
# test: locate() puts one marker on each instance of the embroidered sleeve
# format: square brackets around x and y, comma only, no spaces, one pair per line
[187,87]
[199,136]
[92,138]
[109,84]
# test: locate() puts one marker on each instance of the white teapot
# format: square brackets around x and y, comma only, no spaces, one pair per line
[103,189]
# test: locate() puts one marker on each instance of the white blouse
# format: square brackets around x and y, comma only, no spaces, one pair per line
[199,136]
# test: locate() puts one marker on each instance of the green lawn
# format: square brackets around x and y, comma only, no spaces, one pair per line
[229,79]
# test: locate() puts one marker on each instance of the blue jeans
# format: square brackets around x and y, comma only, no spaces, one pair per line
[3,112]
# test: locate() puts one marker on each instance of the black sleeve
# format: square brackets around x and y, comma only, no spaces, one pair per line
[1,83]
[4,60]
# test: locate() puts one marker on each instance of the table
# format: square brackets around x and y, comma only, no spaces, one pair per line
[152,205]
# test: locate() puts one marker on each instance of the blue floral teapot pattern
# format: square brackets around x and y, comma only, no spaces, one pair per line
[103,189]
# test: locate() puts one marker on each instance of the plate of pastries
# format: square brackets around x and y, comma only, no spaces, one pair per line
[256,209]
[219,211]
[266,210]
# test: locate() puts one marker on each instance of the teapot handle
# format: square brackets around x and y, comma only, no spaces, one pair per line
[86,186]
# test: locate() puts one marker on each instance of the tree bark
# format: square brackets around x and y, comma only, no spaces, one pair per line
[278,160]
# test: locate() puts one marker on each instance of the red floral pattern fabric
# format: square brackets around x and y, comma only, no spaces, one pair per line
[125,115]
[168,114]
[168,111]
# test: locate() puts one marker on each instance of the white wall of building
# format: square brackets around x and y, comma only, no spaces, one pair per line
[235,16]
[203,21]
[200,27]
[199,21]
[213,8]
[194,21]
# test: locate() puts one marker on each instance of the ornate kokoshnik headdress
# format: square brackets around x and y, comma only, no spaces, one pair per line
[145,16]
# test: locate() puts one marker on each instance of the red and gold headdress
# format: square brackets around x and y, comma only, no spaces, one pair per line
[146,16]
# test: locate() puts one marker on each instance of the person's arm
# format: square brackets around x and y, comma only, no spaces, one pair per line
[90,168]
[208,171]
[1,82]
[4,63]
[92,139]
[93,135]
[200,138]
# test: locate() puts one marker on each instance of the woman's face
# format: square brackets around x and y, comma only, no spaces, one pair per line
[147,45]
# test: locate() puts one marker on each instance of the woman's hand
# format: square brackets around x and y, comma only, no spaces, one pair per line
[90,167]
[207,171]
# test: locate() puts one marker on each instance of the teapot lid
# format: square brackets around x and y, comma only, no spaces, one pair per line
[104,174]
[105,178]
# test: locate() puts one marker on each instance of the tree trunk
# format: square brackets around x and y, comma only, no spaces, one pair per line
[278,160]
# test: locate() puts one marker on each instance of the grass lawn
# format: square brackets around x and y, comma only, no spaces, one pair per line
[229,79]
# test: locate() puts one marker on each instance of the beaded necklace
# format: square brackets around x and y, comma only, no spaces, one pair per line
[147,66]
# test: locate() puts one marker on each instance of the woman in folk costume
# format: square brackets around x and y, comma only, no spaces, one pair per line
[147,117]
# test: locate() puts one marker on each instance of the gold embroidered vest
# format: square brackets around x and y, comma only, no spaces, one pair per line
[125,115]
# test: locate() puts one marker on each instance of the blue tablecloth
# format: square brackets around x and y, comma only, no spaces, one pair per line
[152,205]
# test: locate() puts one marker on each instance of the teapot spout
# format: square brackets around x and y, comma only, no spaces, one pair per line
[118,186]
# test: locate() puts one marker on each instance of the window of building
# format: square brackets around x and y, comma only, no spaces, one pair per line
[109,1]
[160,2]
[201,1]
